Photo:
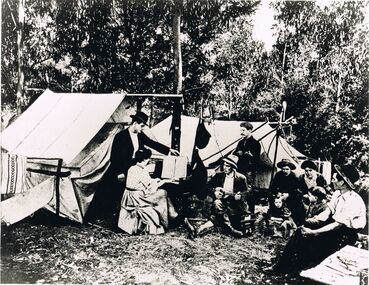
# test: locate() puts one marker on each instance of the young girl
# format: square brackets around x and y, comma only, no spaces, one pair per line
[278,219]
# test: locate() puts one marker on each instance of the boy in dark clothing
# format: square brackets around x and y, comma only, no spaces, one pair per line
[318,204]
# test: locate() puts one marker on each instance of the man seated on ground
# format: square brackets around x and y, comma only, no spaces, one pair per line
[308,247]
[229,207]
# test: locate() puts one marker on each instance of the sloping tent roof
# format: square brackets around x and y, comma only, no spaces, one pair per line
[224,138]
[74,127]
[59,125]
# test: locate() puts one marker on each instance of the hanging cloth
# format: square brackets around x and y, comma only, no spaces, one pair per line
[13,173]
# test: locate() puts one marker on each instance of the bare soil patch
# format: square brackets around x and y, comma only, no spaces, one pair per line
[50,252]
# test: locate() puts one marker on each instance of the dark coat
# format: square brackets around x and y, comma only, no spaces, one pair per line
[122,150]
[285,184]
[283,213]
[289,184]
[248,151]
[320,181]
[239,183]
[233,207]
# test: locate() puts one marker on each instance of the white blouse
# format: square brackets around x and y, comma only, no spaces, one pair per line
[138,178]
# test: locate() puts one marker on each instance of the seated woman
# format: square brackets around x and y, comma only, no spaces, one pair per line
[278,219]
[285,181]
[145,208]
[310,179]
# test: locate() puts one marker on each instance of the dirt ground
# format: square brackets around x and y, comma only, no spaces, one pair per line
[38,252]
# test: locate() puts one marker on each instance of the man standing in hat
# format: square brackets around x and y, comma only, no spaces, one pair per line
[124,147]
[128,141]
[229,206]
[285,182]
[346,213]
[248,151]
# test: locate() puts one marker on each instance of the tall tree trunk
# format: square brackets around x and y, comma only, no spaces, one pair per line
[176,123]
[20,85]
[230,103]
[338,103]
[283,64]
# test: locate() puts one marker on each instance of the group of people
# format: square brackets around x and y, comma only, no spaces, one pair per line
[141,205]
[303,209]
[328,227]
[293,198]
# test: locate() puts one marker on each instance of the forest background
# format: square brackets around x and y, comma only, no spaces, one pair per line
[319,63]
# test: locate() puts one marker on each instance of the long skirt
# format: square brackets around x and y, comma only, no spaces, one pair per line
[305,252]
[145,213]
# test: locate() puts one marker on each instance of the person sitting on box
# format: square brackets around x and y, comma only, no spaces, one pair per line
[229,208]
[145,207]
[278,219]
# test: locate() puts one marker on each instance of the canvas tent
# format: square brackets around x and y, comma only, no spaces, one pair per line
[224,138]
[77,128]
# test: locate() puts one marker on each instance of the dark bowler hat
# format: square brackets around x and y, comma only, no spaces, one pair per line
[348,173]
[286,162]
[140,117]
[309,164]
[232,160]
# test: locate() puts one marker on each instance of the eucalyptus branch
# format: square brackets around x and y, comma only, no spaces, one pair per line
[11,14]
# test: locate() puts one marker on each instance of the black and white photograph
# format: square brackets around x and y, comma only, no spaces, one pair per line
[184,142]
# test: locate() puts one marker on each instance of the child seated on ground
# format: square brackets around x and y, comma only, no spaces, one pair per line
[278,219]
[318,203]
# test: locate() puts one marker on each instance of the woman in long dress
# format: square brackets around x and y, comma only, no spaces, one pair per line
[145,208]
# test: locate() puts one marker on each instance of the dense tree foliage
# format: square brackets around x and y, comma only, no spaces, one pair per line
[105,46]
[319,64]
[326,77]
